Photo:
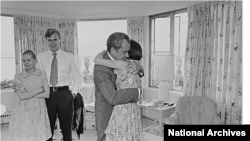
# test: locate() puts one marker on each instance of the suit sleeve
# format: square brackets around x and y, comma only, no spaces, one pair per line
[103,80]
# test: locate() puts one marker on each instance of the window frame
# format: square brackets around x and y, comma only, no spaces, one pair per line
[171,15]
[11,16]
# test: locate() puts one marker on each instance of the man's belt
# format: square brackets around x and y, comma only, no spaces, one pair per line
[59,88]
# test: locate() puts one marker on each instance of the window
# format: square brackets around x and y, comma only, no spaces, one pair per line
[168,40]
[92,37]
[8,68]
[161,38]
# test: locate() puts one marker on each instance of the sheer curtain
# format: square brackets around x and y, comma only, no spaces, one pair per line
[135,29]
[29,34]
[213,65]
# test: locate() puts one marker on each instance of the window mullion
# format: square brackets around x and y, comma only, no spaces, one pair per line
[171,41]
[172,33]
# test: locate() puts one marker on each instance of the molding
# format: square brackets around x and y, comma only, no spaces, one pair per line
[152,93]
[7,91]
[9,12]
[154,7]
[178,93]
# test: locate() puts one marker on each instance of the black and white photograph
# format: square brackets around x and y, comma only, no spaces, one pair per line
[122,70]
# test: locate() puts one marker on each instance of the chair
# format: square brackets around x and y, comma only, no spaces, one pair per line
[199,110]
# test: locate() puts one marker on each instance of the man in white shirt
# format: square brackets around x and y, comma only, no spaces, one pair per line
[61,68]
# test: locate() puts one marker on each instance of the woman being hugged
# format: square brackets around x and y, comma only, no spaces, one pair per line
[29,121]
[125,121]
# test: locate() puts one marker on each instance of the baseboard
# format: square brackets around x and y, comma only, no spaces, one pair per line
[151,137]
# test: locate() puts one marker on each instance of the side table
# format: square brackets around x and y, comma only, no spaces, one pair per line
[157,114]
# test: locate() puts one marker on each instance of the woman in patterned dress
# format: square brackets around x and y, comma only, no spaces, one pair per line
[125,121]
[29,121]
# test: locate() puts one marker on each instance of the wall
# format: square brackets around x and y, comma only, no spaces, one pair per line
[8,68]
[9,98]
[151,94]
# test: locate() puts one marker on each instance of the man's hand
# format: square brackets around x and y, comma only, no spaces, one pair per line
[140,96]
[138,101]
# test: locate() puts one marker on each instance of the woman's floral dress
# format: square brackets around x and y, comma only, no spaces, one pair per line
[30,121]
[125,121]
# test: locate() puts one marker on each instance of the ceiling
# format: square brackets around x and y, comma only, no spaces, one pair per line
[88,10]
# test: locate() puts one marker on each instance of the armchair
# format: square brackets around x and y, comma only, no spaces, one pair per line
[194,110]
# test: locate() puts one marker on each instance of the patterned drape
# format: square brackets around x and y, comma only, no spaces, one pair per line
[213,65]
[135,28]
[29,34]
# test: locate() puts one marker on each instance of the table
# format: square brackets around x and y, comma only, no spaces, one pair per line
[157,114]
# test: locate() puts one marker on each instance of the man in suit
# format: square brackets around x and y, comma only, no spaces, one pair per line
[118,44]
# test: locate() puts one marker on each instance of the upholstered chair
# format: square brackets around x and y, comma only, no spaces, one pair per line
[198,110]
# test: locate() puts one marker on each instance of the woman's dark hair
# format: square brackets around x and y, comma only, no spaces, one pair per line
[30,52]
[135,51]
[50,32]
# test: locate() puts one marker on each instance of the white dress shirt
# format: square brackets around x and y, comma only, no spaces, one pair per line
[68,69]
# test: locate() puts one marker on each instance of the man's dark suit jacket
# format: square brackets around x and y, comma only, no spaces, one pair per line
[78,114]
[106,96]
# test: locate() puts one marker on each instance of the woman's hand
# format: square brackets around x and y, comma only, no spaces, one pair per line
[134,67]
[19,88]
[42,90]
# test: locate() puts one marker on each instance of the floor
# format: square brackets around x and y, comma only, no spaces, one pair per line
[88,135]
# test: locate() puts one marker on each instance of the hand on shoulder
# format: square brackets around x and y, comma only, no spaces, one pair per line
[134,67]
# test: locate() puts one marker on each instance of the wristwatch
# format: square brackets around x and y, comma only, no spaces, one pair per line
[141,73]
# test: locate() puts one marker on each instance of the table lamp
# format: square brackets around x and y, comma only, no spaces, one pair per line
[164,72]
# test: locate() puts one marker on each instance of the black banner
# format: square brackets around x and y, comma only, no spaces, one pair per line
[206,131]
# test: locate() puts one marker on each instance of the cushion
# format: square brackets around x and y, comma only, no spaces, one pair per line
[196,110]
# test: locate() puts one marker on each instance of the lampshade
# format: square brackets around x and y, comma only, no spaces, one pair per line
[164,67]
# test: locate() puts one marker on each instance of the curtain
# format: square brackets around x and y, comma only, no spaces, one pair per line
[135,28]
[213,65]
[29,34]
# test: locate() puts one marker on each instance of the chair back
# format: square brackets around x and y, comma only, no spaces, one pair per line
[196,110]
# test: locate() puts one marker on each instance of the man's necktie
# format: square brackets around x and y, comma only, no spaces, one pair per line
[54,71]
